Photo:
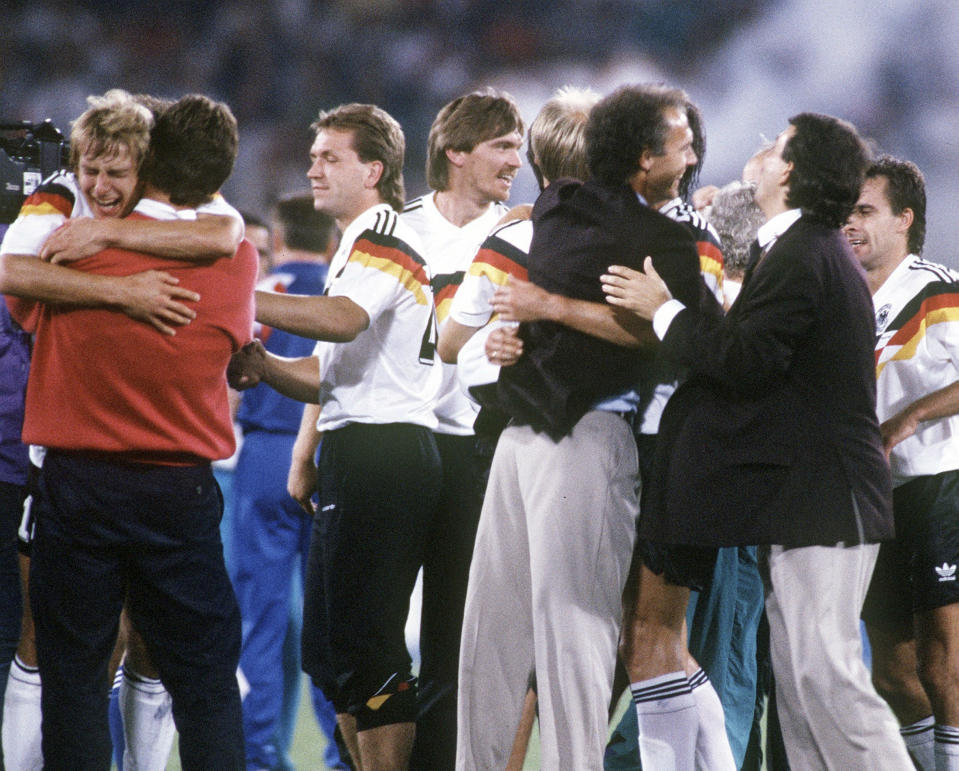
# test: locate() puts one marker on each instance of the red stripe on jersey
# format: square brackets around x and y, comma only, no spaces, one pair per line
[710,251]
[499,262]
[939,302]
[445,294]
[47,203]
[411,265]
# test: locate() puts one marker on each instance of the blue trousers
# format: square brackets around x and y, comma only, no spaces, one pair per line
[270,541]
[107,530]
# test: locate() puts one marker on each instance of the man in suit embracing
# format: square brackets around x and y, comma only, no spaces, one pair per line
[773,440]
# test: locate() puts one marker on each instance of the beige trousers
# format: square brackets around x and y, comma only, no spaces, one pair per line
[552,554]
[831,716]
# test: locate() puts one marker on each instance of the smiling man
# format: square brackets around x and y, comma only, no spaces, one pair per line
[79,212]
[556,534]
[472,158]
[912,606]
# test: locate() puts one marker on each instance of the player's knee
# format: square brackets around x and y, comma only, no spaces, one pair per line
[939,674]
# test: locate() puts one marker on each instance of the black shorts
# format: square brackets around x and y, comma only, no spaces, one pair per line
[680,565]
[379,486]
[919,571]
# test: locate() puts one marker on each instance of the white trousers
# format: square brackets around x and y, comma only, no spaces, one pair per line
[552,554]
[831,716]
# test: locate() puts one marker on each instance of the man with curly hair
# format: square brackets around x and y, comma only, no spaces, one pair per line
[555,537]
[774,440]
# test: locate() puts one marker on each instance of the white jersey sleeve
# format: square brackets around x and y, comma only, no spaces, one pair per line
[47,208]
[219,206]
[917,353]
[502,255]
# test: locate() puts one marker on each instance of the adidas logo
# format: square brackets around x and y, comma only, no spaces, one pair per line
[946,572]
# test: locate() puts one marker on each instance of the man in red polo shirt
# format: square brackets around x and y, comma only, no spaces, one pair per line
[127,505]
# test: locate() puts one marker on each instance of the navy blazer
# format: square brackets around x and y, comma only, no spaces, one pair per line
[775,433]
[579,230]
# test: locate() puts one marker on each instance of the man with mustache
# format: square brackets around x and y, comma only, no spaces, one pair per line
[472,158]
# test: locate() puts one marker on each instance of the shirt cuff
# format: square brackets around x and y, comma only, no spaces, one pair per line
[664,316]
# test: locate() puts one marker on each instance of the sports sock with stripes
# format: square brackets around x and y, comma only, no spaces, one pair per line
[919,743]
[147,721]
[668,721]
[946,747]
[712,744]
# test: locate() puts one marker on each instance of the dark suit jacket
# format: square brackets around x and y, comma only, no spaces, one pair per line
[776,429]
[579,230]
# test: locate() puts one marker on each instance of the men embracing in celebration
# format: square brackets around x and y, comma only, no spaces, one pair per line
[774,440]
[127,507]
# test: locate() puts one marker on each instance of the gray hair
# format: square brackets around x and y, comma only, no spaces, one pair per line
[737,219]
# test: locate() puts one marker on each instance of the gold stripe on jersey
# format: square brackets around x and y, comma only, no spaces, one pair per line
[47,203]
[938,309]
[443,309]
[497,267]
[408,269]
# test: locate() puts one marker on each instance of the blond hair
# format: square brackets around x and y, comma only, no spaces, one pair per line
[557,135]
[112,122]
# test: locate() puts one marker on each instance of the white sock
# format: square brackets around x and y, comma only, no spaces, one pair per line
[668,722]
[21,718]
[919,743]
[946,748]
[148,728]
[712,743]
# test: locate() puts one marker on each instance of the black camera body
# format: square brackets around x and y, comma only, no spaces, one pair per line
[29,153]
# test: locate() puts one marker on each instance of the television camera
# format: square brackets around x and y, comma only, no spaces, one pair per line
[29,153]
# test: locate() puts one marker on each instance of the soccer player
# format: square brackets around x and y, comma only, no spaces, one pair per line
[379,469]
[127,508]
[912,604]
[472,158]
